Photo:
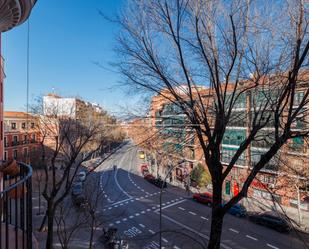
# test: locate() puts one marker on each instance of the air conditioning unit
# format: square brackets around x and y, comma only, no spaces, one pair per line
[271,185]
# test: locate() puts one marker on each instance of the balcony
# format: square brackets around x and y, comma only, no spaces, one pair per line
[15,143]
[14,12]
[16,208]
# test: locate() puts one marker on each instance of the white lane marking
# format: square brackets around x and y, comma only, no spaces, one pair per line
[137,214]
[110,224]
[148,209]
[165,240]
[181,208]
[141,225]
[152,232]
[124,219]
[272,246]
[176,247]
[117,183]
[118,202]
[173,204]
[116,206]
[233,230]
[142,212]
[192,213]
[117,222]
[109,208]
[153,207]
[191,229]
[204,218]
[250,237]
[131,216]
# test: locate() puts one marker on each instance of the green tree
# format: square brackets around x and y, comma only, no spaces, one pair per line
[200,175]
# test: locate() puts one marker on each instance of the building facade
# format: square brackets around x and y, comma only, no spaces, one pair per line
[21,136]
[272,181]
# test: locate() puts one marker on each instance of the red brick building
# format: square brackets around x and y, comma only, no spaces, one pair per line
[21,136]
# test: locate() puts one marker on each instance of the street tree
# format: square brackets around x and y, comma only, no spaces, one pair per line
[66,142]
[206,57]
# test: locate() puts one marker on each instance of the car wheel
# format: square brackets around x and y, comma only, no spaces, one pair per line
[209,204]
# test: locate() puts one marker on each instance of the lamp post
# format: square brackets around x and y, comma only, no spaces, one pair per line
[161,191]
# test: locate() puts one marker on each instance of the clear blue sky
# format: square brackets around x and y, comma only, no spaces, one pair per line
[66,38]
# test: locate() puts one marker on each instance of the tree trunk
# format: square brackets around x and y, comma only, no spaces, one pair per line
[50,226]
[216,230]
[216,217]
[43,222]
[91,233]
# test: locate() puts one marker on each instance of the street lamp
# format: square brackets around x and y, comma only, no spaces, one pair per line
[161,191]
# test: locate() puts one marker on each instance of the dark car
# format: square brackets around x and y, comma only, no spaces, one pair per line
[155,181]
[238,210]
[77,188]
[80,201]
[205,198]
[271,221]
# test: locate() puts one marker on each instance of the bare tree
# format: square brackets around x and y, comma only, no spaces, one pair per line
[65,140]
[240,50]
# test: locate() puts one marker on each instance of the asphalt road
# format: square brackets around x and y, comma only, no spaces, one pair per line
[132,206]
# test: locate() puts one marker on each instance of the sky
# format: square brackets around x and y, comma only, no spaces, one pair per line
[66,38]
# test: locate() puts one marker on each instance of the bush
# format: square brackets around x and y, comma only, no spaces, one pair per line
[200,175]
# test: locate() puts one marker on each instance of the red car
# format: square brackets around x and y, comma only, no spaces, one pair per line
[205,198]
[144,169]
[149,177]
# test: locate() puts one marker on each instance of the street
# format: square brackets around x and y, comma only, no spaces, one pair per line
[131,204]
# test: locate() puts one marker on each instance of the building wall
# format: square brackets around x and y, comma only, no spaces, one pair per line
[19,142]
[271,177]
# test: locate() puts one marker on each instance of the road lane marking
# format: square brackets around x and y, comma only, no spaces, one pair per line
[118,202]
[181,208]
[165,240]
[176,247]
[204,218]
[152,232]
[250,237]
[131,216]
[141,225]
[117,222]
[110,224]
[124,219]
[272,246]
[192,213]
[233,230]
[167,206]
[143,212]
[117,183]
[137,214]
[191,229]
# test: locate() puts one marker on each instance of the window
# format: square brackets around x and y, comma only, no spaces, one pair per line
[234,137]
[15,140]
[5,155]
[15,154]
[273,164]
[33,137]
[298,97]
[13,125]
[228,153]
[5,142]
[303,205]
[23,125]
[25,138]
[32,125]
[25,152]
[297,144]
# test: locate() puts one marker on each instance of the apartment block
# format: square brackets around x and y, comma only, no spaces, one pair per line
[168,118]
[21,136]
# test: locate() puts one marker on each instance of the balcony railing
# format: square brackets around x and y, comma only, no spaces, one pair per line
[16,209]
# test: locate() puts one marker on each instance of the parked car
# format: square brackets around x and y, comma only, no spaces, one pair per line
[81,176]
[205,198]
[80,201]
[155,181]
[77,188]
[238,210]
[144,169]
[271,220]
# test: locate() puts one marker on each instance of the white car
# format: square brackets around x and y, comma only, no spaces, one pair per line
[81,176]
